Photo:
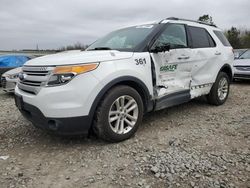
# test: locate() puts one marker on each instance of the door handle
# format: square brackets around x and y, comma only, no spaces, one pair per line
[183,57]
[217,53]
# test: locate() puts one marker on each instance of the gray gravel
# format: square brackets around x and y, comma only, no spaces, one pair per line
[191,145]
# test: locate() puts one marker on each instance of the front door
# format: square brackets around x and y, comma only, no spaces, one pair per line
[173,68]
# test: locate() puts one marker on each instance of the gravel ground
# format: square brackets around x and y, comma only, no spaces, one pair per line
[191,145]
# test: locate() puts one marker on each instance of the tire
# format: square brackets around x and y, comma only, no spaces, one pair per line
[112,114]
[220,90]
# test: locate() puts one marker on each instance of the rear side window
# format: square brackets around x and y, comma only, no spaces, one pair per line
[201,38]
[222,38]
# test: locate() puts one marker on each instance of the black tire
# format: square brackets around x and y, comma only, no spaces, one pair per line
[103,128]
[213,97]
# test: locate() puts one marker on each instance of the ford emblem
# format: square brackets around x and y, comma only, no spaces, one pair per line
[21,76]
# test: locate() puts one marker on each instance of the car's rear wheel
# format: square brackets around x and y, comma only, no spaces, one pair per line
[119,114]
[220,90]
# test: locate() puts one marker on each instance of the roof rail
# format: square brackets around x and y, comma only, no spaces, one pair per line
[200,22]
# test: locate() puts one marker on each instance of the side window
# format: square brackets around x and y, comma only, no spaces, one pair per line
[222,38]
[211,40]
[201,38]
[174,35]
[245,55]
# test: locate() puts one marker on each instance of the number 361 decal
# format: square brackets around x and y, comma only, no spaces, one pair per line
[141,61]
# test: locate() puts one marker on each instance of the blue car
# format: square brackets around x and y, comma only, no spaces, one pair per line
[8,62]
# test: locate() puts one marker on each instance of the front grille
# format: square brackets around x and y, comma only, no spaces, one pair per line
[36,73]
[31,83]
[34,78]
[243,68]
[3,82]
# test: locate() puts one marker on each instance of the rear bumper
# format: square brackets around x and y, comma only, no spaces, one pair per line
[61,126]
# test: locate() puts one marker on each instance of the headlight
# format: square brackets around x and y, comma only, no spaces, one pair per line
[63,74]
[13,76]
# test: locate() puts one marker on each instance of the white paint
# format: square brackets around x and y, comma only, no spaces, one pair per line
[76,97]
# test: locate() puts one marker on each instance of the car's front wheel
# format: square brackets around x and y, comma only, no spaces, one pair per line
[220,90]
[119,114]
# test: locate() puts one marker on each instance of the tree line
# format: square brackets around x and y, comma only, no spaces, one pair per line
[238,38]
[76,46]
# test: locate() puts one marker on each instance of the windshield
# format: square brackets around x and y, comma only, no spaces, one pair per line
[123,40]
[245,55]
[239,52]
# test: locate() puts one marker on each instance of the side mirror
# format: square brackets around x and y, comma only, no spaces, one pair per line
[160,48]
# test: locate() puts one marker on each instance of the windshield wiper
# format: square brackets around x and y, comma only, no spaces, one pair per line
[101,48]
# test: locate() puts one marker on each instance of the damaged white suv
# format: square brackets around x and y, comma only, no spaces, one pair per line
[129,72]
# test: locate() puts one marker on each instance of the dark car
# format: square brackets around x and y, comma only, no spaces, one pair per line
[8,62]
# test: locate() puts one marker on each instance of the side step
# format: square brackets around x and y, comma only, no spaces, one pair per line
[172,99]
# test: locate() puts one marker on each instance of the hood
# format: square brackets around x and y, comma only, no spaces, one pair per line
[78,57]
[13,71]
[242,62]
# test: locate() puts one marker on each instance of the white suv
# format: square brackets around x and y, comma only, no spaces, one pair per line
[122,76]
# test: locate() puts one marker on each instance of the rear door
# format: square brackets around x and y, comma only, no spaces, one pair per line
[206,56]
[173,67]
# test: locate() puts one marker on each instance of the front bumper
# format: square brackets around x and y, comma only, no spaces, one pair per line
[242,76]
[61,126]
[8,84]
[239,73]
[73,99]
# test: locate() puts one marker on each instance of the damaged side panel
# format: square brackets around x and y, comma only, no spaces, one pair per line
[204,71]
[185,69]
[173,71]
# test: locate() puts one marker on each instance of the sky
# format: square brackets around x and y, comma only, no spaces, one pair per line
[51,24]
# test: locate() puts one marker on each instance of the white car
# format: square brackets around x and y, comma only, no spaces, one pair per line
[242,66]
[122,76]
[9,79]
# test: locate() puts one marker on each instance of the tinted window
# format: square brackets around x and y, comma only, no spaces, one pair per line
[175,35]
[211,40]
[246,55]
[222,38]
[201,38]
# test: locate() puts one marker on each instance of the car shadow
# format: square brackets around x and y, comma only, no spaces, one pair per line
[47,138]
[92,140]
[241,82]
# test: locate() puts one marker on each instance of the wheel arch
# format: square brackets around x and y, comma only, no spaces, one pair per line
[228,70]
[131,81]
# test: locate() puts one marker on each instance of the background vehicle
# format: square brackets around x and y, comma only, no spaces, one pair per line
[242,66]
[238,52]
[124,75]
[9,79]
[8,62]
